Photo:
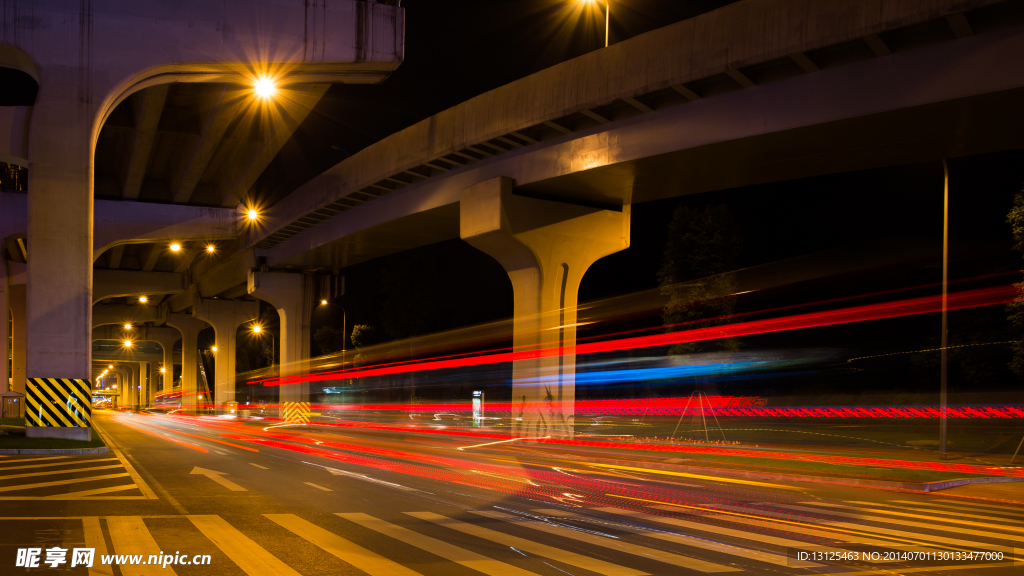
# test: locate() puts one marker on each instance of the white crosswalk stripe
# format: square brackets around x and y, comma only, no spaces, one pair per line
[603,542]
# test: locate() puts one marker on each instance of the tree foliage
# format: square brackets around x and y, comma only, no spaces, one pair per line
[363,335]
[1015,309]
[697,273]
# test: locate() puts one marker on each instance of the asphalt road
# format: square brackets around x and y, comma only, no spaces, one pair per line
[285,500]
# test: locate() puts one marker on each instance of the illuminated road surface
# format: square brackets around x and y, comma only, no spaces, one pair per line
[301,500]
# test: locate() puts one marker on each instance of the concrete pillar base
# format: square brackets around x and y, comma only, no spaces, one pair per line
[82,434]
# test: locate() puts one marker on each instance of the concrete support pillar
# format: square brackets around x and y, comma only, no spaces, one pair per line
[545,247]
[163,377]
[5,320]
[294,297]
[133,396]
[189,328]
[142,389]
[225,316]
[16,299]
[119,382]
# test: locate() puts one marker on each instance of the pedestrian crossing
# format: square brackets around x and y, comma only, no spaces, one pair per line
[543,541]
[66,477]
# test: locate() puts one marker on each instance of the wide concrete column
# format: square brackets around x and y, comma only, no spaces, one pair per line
[293,295]
[189,328]
[16,300]
[545,247]
[225,316]
[142,388]
[163,380]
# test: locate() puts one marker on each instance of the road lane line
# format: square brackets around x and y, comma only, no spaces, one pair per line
[436,547]
[130,536]
[557,554]
[741,534]
[687,475]
[258,466]
[66,463]
[694,541]
[54,472]
[61,482]
[927,526]
[921,516]
[86,493]
[252,558]
[94,539]
[318,486]
[613,544]
[958,510]
[351,553]
[2,467]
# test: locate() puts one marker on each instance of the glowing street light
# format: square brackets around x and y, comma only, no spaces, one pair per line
[210,248]
[127,326]
[111,367]
[127,343]
[213,349]
[323,302]
[162,370]
[175,247]
[257,328]
[252,215]
[143,299]
[265,88]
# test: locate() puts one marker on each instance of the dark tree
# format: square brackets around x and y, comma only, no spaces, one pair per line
[697,274]
[329,339]
[363,335]
[1015,309]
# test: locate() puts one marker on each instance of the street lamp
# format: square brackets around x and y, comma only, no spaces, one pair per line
[127,326]
[252,214]
[607,16]
[127,343]
[210,248]
[265,88]
[143,299]
[257,329]
[175,247]
[213,349]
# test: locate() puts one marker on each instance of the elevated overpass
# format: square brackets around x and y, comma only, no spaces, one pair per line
[541,173]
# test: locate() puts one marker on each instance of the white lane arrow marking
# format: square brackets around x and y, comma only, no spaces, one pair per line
[216,477]
[336,472]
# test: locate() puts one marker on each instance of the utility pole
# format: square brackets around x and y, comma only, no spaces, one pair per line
[943,400]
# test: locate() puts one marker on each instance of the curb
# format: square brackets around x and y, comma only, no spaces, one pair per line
[882,484]
[37,451]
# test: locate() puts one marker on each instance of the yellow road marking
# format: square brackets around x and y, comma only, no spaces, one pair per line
[688,475]
[94,539]
[130,536]
[593,539]
[469,559]
[696,542]
[958,509]
[258,466]
[846,535]
[252,558]
[61,482]
[931,517]
[564,556]
[318,486]
[908,523]
[86,493]
[68,463]
[363,559]
[146,490]
[742,534]
[54,472]
[33,460]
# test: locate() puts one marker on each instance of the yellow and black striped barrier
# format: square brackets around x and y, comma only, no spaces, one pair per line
[59,403]
[296,411]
